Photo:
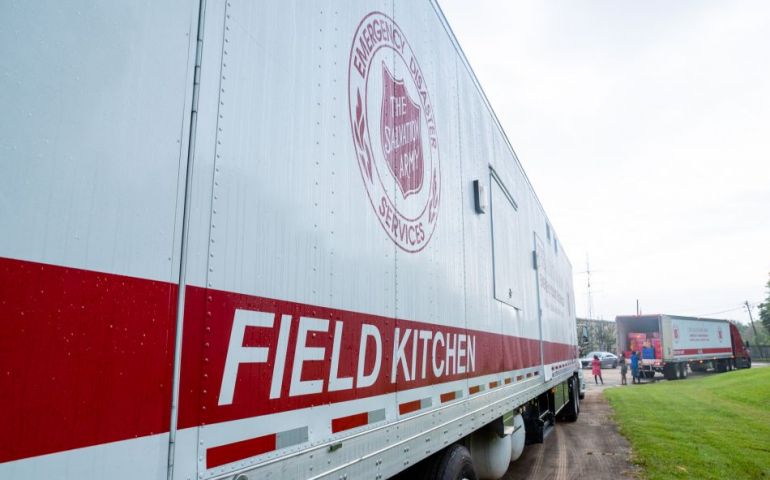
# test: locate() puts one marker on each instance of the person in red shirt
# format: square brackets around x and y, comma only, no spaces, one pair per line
[596,370]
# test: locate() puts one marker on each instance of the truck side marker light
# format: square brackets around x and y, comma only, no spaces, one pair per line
[233,452]
[493,384]
[415,405]
[449,396]
[357,420]
[508,380]
[476,389]
[519,378]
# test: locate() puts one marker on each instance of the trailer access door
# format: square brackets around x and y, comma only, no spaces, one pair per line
[94,128]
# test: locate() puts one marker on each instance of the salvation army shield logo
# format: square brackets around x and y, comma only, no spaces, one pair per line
[394,132]
[400,132]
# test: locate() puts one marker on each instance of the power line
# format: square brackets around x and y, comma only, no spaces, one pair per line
[721,311]
[739,307]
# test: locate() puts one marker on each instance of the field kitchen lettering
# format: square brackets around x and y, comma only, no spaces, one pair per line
[394,132]
[306,355]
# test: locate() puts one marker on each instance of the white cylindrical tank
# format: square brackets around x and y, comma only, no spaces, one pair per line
[518,437]
[491,453]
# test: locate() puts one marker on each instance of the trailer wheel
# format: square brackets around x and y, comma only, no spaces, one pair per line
[452,463]
[742,363]
[698,367]
[571,410]
[683,371]
[669,371]
[720,367]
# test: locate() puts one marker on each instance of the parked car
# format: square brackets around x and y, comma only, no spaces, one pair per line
[582,384]
[609,360]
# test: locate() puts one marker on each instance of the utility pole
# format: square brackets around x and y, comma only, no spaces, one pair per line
[752,321]
[637,308]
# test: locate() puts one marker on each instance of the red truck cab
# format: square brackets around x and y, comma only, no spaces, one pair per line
[741,352]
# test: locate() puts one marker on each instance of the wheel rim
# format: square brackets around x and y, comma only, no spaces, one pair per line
[576,395]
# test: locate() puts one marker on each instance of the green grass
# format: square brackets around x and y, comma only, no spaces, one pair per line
[716,426]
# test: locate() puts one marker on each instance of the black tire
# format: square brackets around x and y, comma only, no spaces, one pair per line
[571,410]
[669,371]
[697,367]
[748,362]
[721,367]
[615,365]
[683,372]
[452,463]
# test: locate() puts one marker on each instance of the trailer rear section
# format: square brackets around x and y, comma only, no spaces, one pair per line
[671,344]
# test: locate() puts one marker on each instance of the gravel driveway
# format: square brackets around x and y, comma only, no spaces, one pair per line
[589,448]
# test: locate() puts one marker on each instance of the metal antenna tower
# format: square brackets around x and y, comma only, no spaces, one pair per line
[590,305]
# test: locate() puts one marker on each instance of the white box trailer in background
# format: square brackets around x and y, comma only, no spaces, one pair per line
[266,240]
[700,343]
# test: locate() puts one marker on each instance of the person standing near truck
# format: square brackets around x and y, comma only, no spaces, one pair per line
[596,369]
[623,369]
[634,368]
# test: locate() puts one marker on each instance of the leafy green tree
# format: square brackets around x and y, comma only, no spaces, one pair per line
[764,309]
[748,333]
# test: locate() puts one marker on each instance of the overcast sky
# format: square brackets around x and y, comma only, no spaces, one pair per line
[645,130]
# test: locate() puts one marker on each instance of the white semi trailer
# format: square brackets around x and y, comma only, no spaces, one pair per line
[253,240]
[698,343]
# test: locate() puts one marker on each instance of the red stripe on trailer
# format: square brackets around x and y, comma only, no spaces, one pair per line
[351,421]
[409,407]
[448,397]
[232,452]
[703,351]
[556,352]
[86,358]
[494,354]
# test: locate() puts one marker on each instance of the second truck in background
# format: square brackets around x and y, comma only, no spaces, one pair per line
[669,343]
